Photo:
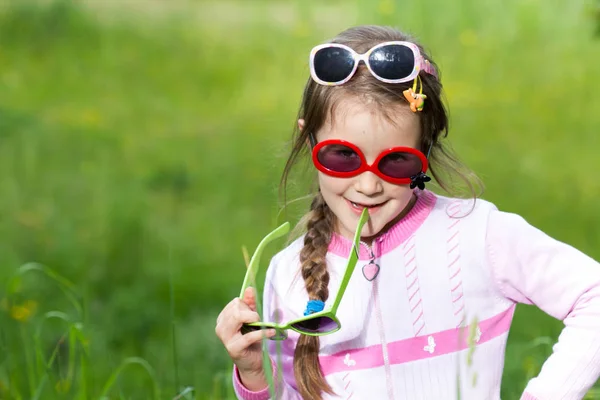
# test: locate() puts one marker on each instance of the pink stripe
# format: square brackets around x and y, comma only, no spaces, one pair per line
[348,398]
[397,234]
[347,384]
[458,298]
[452,237]
[454,248]
[413,270]
[416,305]
[413,295]
[456,273]
[420,329]
[454,262]
[454,224]
[410,261]
[346,376]
[417,319]
[409,250]
[411,349]
[454,207]
[462,307]
[412,284]
[456,287]
[461,322]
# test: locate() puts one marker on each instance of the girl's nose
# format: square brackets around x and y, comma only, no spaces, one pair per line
[368,184]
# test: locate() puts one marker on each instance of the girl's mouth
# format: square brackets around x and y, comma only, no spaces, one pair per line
[358,207]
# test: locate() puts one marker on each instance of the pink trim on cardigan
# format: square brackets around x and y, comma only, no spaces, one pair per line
[417,348]
[396,235]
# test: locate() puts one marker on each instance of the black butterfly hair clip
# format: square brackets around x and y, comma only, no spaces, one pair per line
[419,180]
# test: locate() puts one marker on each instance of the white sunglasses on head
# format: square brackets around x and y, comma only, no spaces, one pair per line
[391,62]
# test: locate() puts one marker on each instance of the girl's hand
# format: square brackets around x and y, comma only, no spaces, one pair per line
[244,349]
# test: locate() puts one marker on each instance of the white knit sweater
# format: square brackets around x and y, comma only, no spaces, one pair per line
[439,312]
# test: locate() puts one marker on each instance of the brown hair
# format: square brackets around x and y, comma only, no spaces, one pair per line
[318,104]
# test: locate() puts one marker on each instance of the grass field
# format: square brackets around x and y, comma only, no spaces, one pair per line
[141,144]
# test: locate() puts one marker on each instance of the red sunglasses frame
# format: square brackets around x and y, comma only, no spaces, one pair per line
[364,166]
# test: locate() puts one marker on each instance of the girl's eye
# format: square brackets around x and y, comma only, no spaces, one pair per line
[340,158]
[346,153]
[342,151]
[396,157]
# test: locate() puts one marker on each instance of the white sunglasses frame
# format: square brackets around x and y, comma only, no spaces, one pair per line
[420,62]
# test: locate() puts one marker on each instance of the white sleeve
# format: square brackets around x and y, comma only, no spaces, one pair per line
[532,268]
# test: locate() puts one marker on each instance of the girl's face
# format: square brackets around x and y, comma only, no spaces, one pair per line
[361,124]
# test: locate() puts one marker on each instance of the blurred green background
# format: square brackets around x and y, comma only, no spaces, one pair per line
[142,141]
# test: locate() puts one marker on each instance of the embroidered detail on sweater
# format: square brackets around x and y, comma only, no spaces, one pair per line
[430,347]
[412,286]
[348,361]
[454,265]
[478,334]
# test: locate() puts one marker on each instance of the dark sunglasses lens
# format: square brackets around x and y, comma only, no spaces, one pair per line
[333,64]
[248,328]
[393,61]
[317,325]
[339,158]
[279,334]
[400,165]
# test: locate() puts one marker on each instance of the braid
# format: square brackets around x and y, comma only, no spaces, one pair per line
[309,377]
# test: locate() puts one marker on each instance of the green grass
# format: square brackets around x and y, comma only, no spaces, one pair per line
[141,146]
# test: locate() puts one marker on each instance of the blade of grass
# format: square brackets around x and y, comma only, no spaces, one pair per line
[41,361]
[265,350]
[126,363]
[173,327]
[185,394]
[29,363]
[83,377]
[65,285]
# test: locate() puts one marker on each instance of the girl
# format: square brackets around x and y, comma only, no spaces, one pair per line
[427,311]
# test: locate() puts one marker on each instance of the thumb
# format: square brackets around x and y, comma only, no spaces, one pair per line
[250,298]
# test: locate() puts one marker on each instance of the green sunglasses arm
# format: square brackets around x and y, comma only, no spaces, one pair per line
[254,261]
[352,260]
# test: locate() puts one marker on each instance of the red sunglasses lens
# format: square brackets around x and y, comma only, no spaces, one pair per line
[400,165]
[338,158]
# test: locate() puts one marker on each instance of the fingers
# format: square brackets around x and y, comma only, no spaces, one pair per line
[225,311]
[249,298]
[229,324]
[231,319]
[242,342]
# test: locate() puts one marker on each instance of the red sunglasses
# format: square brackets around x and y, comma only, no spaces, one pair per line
[398,165]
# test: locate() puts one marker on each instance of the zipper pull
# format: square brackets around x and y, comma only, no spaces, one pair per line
[371,269]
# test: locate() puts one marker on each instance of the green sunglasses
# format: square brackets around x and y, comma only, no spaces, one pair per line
[314,324]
